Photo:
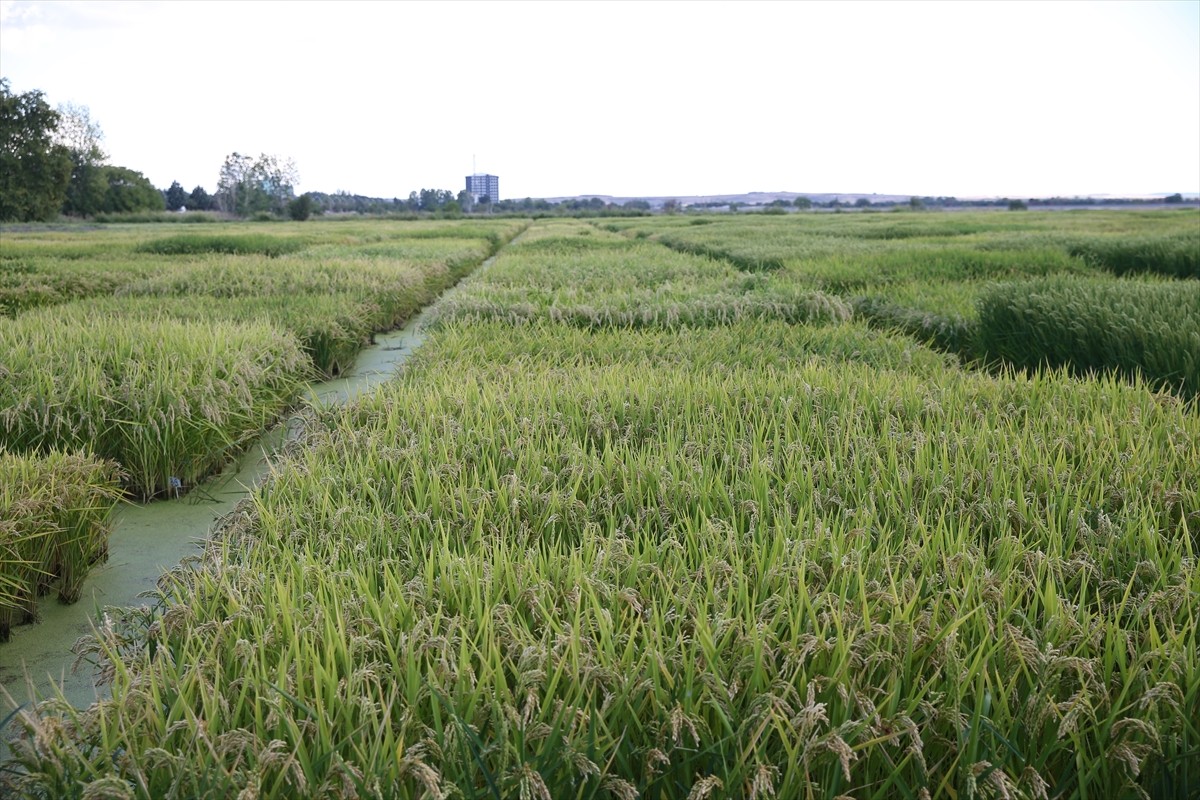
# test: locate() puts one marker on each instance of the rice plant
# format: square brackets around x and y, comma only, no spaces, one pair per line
[952,333]
[164,399]
[762,344]
[32,281]
[1175,256]
[238,244]
[598,280]
[54,522]
[1135,328]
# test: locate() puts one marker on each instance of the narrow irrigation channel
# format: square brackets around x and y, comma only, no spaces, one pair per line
[148,540]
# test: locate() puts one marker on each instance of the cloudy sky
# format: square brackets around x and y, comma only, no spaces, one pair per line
[672,98]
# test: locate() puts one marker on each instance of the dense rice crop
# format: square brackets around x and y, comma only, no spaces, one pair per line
[330,328]
[598,280]
[951,333]
[54,513]
[238,244]
[1175,256]
[22,289]
[1131,327]
[30,280]
[766,345]
[164,399]
[622,576]
[398,288]
[333,305]
[923,275]
[453,251]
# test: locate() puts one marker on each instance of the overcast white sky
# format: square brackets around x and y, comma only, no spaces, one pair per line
[684,98]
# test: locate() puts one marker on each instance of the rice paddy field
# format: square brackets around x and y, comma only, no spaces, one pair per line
[140,362]
[899,505]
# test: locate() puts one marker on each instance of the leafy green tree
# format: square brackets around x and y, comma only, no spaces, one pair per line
[1018,205]
[200,200]
[128,190]
[803,202]
[1174,198]
[233,182]
[301,208]
[433,199]
[176,197]
[34,169]
[247,186]
[82,137]
[276,179]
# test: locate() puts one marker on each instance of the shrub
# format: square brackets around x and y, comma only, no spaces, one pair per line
[171,217]
[301,208]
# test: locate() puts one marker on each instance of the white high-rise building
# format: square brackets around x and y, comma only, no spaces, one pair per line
[483,186]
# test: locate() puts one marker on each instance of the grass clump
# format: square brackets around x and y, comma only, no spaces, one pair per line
[54,524]
[1133,328]
[164,399]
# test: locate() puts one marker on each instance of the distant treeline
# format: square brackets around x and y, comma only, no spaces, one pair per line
[446,201]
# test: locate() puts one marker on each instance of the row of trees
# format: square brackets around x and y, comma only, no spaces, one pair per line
[51,163]
[248,186]
[197,200]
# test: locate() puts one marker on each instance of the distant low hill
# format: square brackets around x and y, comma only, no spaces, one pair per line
[846,198]
[746,198]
